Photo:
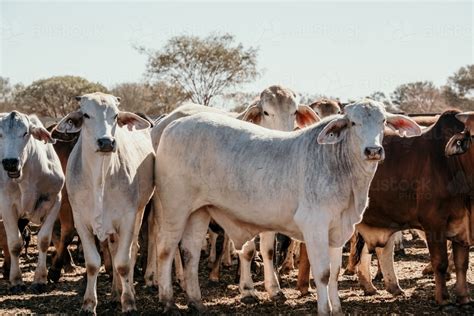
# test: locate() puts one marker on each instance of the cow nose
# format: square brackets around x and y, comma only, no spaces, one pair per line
[11,164]
[106,144]
[373,153]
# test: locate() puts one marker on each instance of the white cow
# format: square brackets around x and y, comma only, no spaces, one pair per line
[251,179]
[30,187]
[276,108]
[110,181]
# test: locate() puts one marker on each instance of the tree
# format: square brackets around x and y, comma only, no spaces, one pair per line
[202,67]
[381,97]
[54,97]
[150,99]
[8,93]
[459,90]
[419,97]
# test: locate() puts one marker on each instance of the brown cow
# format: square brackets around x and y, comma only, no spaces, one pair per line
[64,231]
[430,192]
[326,107]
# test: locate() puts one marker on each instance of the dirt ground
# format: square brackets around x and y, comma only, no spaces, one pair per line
[65,297]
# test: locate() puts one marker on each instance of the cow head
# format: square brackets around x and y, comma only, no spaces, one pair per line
[16,131]
[363,125]
[98,119]
[325,107]
[277,109]
[461,142]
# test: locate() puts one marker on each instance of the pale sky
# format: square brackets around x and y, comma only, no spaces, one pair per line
[341,49]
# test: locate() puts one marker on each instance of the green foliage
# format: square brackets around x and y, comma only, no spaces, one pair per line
[54,97]
[202,67]
[150,99]
[419,97]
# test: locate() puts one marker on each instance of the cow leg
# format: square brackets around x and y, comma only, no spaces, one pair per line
[267,242]
[303,271]
[335,256]
[439,260]
[92,258]
[109,249]
[317,241]
[219,253]
[363,273]
[212,253]
[44,240]
[289,262]
[461,262]
[227,259]
[150,272]
[167,246]
[352,265]
[179,270]
[63,257]
[124,264]
[195,230]
[14,241]
[385,258]
[247,290]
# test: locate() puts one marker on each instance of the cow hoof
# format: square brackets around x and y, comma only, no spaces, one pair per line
[378,277]
[448,308]
[38,288]
[278,297]
[84,312]
[171,309]
[348,272]
[400,252]
[213,281]
[131,313]
[370,292]
[248,300]
[467,307]
[54,274]
[396,291]
[196,307]
[17,289]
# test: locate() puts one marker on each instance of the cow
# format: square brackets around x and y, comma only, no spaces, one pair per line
[276,108]
[250,179]
[110,181]
[433,193]
[64,230]
[326,107]
[30,187]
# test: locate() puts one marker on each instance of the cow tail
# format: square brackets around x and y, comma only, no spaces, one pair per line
[359,245]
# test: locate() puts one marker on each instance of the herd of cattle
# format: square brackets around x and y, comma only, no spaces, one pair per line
[317,173]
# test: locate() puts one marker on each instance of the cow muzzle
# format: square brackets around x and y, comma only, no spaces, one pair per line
[375,153]
[106,144]
[12,167]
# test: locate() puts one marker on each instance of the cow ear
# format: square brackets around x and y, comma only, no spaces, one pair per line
[41,133]
[252,114]
[333,132]
[404,125]
[463,117]
[458,144]
[306,116]
[132,120]
[70,124]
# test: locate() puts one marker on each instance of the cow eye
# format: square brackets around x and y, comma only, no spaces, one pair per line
[87,116]
[265,113]
[353,123]
[26,133]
